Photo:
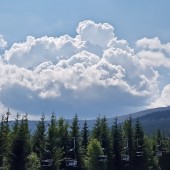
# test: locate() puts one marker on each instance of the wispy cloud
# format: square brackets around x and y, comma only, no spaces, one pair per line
[3,43]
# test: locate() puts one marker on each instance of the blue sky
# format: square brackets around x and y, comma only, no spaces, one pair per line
[132,19]
[104,57]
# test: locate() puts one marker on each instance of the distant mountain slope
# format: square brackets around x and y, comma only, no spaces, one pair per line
[159,119]
[151,119]
[142,113]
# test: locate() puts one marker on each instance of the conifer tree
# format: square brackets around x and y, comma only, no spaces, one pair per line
[4,140]
[105,140]
[85,136]
[75,127]
[162,146]
[52,143]
[85,139]
[21,146]
[39,138]
[117,144]
[78,145]
[52,134]
[129,136]
[62,141]
[140,156]
[33,162]
[96,132]
[62,132]
[63,128]
[150,158]
[16,125]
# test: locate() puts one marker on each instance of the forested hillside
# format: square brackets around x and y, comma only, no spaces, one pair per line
[150,119]
[156,120]
[59,145]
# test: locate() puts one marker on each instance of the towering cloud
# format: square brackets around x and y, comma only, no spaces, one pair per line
[89,74]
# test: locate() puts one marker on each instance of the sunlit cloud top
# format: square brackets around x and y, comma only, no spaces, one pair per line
[91,73]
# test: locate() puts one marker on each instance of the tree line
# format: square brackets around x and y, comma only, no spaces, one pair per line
[59,145]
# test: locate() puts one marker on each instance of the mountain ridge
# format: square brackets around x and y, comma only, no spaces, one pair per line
[162,121]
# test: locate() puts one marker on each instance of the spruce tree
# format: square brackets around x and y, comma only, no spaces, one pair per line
[16,125]
[140,156]
[4,140]
[63,133]
[21,146]
[75,133]
[96,132]
[33,162]
[85,136]
[52,150]
[62,141]
[149,154]
[162,146]
[129,137]
[39,138]
[117,144]
[105,140]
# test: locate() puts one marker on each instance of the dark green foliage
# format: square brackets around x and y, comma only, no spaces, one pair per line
[33,162]
[75,127]
[62,141]
[94,150]
[39,138]
[105,139]
[20,150]
[63,135]
[4,140]
[96,132]
[52,150]
[156,120]
[162,144]
[78,145]
[117,139]
[129,136]
[21,146]
[164,161]
[85,136]
[141,160]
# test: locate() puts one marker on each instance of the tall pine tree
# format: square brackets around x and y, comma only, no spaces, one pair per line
[4,140]
[75,133]
[129,137]
[21,146]
[105,140]
[53,151]
[85,136]
[117,145]
[39,138]
[96,132]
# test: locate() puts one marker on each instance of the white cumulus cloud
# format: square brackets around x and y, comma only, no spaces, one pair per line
[92,73]
[153,52]
[163,99]
[3,43]
[153,44]
[96,34]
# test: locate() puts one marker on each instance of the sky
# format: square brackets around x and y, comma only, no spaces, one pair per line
[89,58]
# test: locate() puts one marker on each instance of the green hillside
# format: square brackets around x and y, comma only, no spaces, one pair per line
[156,120]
